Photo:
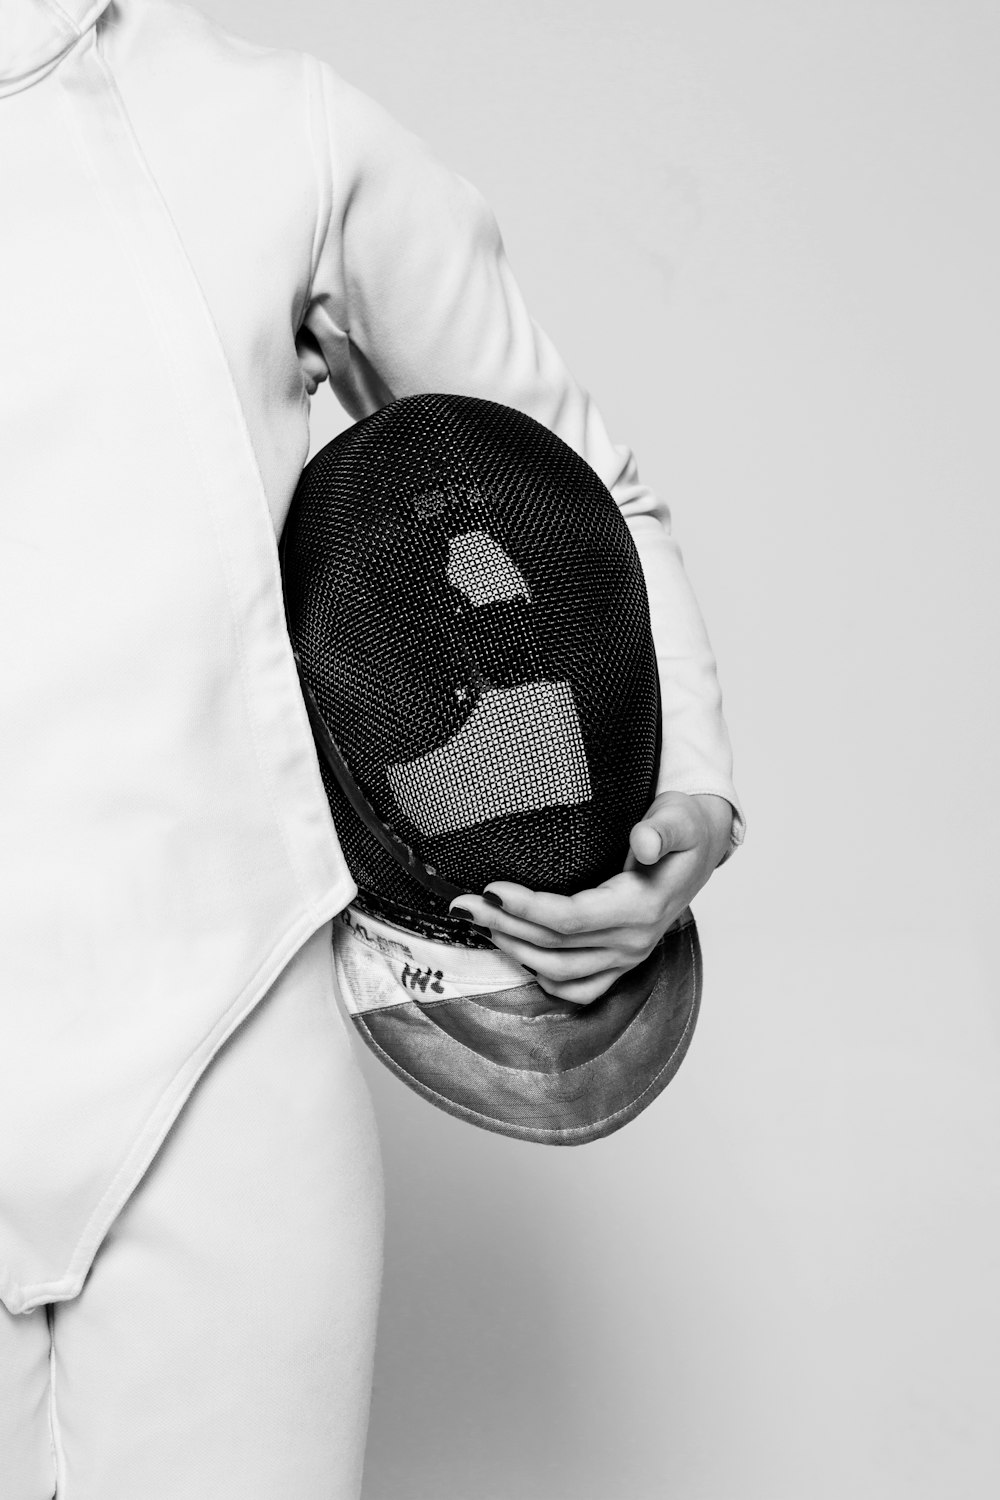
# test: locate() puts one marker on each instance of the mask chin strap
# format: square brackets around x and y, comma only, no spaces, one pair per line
[390,841]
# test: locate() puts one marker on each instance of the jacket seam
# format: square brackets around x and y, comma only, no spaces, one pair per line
[119,106]
[56,11]
[325,151]
[321,231]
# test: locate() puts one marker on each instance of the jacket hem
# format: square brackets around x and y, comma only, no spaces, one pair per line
[24,1298]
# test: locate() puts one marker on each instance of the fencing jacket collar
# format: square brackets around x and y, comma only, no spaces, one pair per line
[36,34]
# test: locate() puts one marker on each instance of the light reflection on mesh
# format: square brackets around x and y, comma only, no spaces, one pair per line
[404,663]
[549,770]
[481,570]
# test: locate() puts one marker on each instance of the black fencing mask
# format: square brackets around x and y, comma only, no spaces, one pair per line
[471,628]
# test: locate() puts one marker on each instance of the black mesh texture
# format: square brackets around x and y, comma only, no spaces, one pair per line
[469,610]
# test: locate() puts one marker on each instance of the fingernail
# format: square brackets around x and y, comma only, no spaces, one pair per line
[483,931]
[463,912]
[492,898]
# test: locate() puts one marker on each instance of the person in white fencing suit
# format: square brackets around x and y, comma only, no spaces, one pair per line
[196,233]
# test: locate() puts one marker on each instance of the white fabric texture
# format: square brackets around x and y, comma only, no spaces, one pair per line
[222,1346]
[197,230]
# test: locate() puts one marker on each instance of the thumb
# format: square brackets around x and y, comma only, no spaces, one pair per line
[645,842]
[667,826]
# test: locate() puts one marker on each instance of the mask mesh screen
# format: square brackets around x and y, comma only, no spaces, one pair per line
[470,613]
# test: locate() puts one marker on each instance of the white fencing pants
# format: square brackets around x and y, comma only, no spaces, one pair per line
[222,1344]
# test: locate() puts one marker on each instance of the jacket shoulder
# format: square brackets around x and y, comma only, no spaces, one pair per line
[181,35]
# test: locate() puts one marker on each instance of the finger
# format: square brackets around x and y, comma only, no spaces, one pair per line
[626,913]
[582,991]
[645,842]
[485,914]
[559,965]
[622,901]
[632,900]
[498,922]
[668,826]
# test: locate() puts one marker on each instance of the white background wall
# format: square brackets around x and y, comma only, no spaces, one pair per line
[767,237]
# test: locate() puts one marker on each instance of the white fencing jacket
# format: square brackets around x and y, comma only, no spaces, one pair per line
[195,232]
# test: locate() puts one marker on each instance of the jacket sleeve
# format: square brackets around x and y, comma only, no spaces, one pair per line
[412,292]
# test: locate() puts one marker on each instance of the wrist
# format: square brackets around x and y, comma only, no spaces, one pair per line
[719,814]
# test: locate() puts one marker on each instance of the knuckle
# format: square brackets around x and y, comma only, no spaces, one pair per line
[544,937]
